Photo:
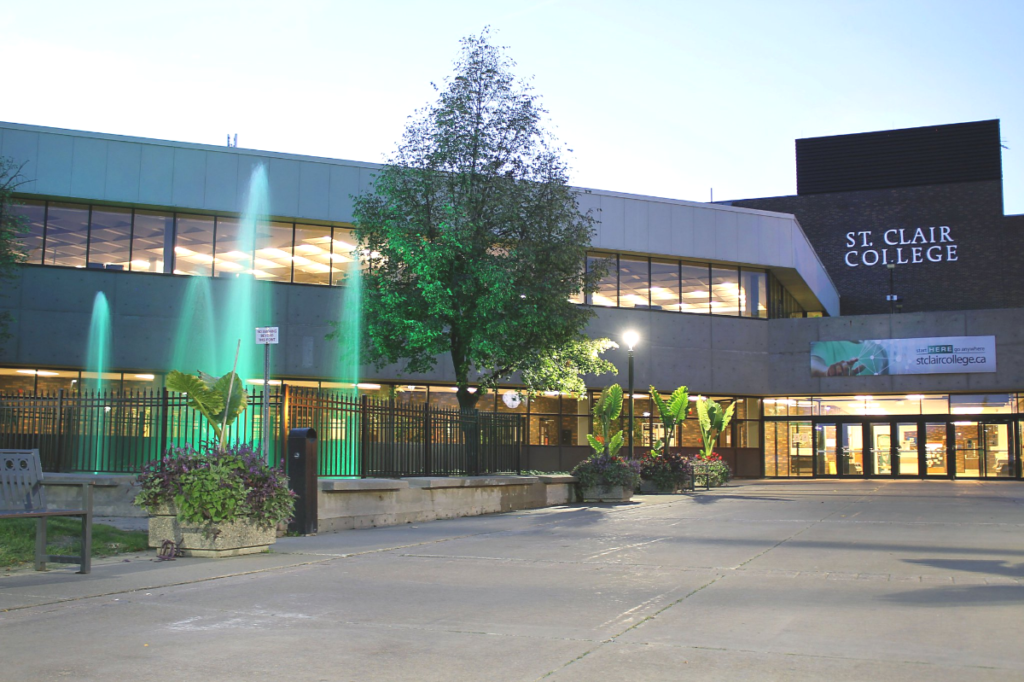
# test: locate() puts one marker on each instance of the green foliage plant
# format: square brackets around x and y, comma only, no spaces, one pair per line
[216,487]
[12,228]
[713,421]
[209,396]
[471,241]
[607,409]
[671,412]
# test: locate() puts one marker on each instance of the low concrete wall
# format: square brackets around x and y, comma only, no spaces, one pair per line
[356,503]
[370,502]
[112,494]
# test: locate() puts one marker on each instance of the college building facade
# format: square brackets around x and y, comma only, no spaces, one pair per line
[868,326]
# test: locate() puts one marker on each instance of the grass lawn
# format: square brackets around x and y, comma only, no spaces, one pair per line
[18,539]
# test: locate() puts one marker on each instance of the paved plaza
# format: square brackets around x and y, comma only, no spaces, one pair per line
[767,580]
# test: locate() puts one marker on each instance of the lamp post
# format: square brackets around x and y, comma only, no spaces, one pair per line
[631,338]
[892,293]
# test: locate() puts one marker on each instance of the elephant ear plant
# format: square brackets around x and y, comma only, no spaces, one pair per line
[671,413]
[219,399]
[604,468]
[606,410]
[713,421]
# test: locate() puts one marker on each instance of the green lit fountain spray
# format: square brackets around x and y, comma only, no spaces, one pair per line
[97,364]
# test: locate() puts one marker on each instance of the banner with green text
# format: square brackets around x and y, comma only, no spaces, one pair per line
[939,355]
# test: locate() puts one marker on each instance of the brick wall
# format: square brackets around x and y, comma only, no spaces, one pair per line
[985,273]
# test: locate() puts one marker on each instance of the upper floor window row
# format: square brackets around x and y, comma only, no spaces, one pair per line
[688,287]
[114,238]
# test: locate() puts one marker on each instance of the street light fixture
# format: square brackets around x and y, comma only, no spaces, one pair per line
[631,338]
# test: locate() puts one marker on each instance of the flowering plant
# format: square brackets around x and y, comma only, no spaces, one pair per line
[667,472]
[715,469]
[217,487]
[607,471]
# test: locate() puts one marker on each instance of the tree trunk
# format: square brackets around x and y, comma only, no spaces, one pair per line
[470,420]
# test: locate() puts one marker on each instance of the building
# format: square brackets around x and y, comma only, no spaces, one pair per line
[727,298]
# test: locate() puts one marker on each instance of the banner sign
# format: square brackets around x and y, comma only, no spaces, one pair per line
[939,355]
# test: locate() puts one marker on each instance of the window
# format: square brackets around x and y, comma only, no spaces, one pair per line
[664,284]
[343,254]
[313,248]
[725,291]
[607,293]
[193,245]
[67,234]
[273,259]
[110,238]
[233,254]
[753,293]
[151,236]
[696,288]
[634,282]
[34,213]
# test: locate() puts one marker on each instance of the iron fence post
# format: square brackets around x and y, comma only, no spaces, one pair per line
[58,432]
[427,464]
[364,435]
[285,418]
[165,416]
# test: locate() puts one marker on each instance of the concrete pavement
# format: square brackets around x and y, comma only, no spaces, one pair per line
[769,580]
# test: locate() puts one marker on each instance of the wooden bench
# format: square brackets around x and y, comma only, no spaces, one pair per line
[22,496]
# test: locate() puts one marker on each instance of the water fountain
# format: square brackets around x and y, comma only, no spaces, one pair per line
[97,362]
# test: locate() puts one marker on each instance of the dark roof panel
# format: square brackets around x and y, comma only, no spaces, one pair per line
[933,155]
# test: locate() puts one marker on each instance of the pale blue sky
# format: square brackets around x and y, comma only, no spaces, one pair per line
[660,98]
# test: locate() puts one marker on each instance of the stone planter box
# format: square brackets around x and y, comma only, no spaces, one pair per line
[649,488]
[226,539]
[615,493]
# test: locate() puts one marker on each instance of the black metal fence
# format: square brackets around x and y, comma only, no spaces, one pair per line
[108,432]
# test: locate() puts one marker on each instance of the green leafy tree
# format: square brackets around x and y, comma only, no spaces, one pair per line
[219,399]
[473,241]
[12,227]
[671,413]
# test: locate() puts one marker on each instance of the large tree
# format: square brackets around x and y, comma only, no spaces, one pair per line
[12,226]
[474,241]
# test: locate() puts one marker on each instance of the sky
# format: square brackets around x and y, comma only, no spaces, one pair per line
[669,99]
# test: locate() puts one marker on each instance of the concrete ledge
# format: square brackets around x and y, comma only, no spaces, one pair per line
[469,481]
[358,484]
[109,480]
[557,479]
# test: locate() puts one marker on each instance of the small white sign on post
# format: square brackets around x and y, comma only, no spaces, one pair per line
[266,335]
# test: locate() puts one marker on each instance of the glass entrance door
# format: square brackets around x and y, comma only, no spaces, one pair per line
[983,450]
[905,450]
[880,447]
[826,450]
[851,449]
[936,450]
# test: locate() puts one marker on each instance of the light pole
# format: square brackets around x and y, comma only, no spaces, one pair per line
[892,293]
[631,338]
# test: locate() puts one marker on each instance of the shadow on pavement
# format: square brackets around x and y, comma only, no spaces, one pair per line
[990,566]
[967,595]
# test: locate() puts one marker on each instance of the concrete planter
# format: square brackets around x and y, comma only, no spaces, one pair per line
[649,488]
[242,536]
[615,493]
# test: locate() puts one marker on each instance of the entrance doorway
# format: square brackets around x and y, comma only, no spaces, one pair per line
[983,449]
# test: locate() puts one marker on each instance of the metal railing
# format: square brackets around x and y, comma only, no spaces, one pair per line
[112,432]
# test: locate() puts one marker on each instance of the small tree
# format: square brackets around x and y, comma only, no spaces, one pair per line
[219,399]
[12,227]
[607,409]
[713,421]
[671,413]
[473,242]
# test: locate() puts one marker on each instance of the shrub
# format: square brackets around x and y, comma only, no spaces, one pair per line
[718,471]
[217,487]
[607,471]
[666,472]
